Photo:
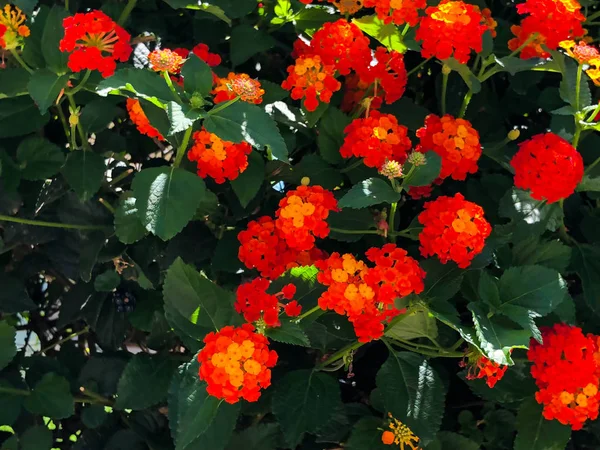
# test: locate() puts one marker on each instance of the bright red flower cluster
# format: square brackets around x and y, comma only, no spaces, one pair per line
[165,60]
[263,249]
[455,140]
[96,42]
[453,28]
[366,295]
[454,230]
[565,368]
[376,138]
[549,166]
[483,367]
[551,21]
[238,85]
[139,118]
[389,72]
[256,305]
[302,216]
[236,363]
[218,159]
[398,12]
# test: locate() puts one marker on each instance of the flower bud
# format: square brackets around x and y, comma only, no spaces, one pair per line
[305,181]
[391,169]
[197,101]
[73,120]
[513,135]
[417,159]
[446,69]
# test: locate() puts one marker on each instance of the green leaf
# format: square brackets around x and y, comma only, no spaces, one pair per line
[38,158]
[98,114]
[308,20]
[197,298]
[465,73]
[128,226]
[84,171]
[198,420]
[145,381]
[13,82]
[568,85]
[315,168]
[331,134]
[247,185]
[534,432]
[167,199]
[51,397]
[453,441]
[552,254]
[589,184]
[36,438]
[413,392]
[20,116]
[520,207]
[257,437]
[244,122]
[442,281]
[45,87]
[93,416]
[352,220]
[303,401]
[141,82]
[13,295]
[514,64]
[11,403]
[107,281]
[11,443]
[246,41]
[388,34]
[366,435]
[288,333]
[197,76]
[372,191]
[53,33]
[496,340]
[586,263]
[425,174]
[181,117]
[8,349]
[418,324]
[308,289]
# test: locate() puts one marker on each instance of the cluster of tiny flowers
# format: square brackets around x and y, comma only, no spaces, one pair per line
[389,72]
[399,434]
[548,23]
[584,54]
[95,42]
[565,368]
[398,12]
[481,367]
[549,166]
[256,305]
[12,27]
[139,118]
[453,229]
[366,295]
[344,6]
[165,60]
[377,138]
[235,363]
[218,159]
[453,28]
[262,248]
[238,85]
[302,216]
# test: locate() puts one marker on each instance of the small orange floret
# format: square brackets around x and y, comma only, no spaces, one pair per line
[165,60]
[253,301]
[398,12]
[139,118]
[238,85]
[482,367]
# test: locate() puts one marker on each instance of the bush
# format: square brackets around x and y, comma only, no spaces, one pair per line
[299,224]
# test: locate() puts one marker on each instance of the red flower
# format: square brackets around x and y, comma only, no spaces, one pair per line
[419,192]
[454,230]
[565,369]
[257,305]
[377,138]
[453,28]
[2,31]
[301,216]
[96,42]
[389,72]
[235,363]
[238,85]
[398,12]
[549,166]
[217,158]
[165,60]
[288,291]
[482,367]
[293,309]
[552,21]
[355,90]
[202,52]
[139,118]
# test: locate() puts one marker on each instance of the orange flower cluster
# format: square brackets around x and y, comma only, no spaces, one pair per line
[585,54]
[310,79]
[482,367]
[344,6]
[302,216]
[355,89]
[238,85]
[139,118]
[95,42]
[549,22]
[389,72]
[489,21]
[566,369]
[549,166]
[455,140]
[398,12]
[256,305]
[218,159]
[399,434]
[236,363]
[454,230]
[366,295]
[165,60]
[376,138]
[263,249]
[12,28]
[453,28]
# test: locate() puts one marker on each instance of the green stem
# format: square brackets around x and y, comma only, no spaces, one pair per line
[562,231]
[121,177]
[24,393]
[391,220]
[577,134]
[107,205]
[354,165]
[67,5]
[406,28]
[578,88]
[20,60]
[40,223]
[82,135]
[65,339]
[423,349]
[308,313]
[183,147]
[444,89]
[222,106]
[93,396]
[406,234]
[81,84]
[126,12]
[591,166]
[63,120]
[525,43]
[418,67]
[14,391]
[341,230]
[465,104]
[594,113]
[592,17]
[171,86]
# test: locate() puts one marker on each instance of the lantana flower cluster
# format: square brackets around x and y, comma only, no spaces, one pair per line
[584,54]
[481,367]
[140,120]
[13,30]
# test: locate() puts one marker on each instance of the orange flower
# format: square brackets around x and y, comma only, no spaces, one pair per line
[311,80]
[344,6]
[139,118]
[217,158]
[454,230]
[585,54]
[453,28]
[256,305]
[238,85]
[236,363]
[13,29]
[301,216]
[400,434]
[481,367]
[397,11]
[377,138]
[489,21]
[165,60]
